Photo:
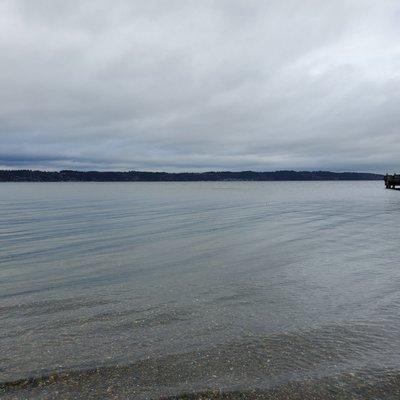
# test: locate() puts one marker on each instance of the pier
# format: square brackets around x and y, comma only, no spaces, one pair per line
[391,181]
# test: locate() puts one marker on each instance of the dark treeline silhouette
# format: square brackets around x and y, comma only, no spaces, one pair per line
[143,176]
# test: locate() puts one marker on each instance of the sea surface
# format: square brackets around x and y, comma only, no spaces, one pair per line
[143,290]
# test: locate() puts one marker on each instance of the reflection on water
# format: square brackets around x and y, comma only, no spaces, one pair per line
[187,286]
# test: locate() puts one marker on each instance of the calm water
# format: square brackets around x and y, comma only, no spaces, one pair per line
[187,286]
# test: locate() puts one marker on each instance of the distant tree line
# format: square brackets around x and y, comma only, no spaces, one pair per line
[143,176]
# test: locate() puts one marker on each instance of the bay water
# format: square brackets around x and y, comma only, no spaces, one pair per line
[189,286]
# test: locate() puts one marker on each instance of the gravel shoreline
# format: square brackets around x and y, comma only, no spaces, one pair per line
[121,384]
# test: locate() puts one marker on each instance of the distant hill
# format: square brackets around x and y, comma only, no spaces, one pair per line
[143,176]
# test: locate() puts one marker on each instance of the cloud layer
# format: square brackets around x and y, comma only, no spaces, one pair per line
[199,85]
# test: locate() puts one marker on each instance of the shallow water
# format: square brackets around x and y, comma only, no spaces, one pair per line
[190,286]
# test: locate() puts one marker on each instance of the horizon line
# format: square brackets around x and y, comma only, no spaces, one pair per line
[193,172]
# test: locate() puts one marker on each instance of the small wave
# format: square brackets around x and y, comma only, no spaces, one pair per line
[119,382]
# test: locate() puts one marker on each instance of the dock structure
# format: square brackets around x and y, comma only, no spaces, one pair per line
[391,181]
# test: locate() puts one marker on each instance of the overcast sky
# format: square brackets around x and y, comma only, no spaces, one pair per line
[200,85]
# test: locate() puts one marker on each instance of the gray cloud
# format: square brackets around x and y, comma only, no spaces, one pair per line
[187,85]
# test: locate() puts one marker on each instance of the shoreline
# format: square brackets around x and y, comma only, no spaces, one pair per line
[106,383]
